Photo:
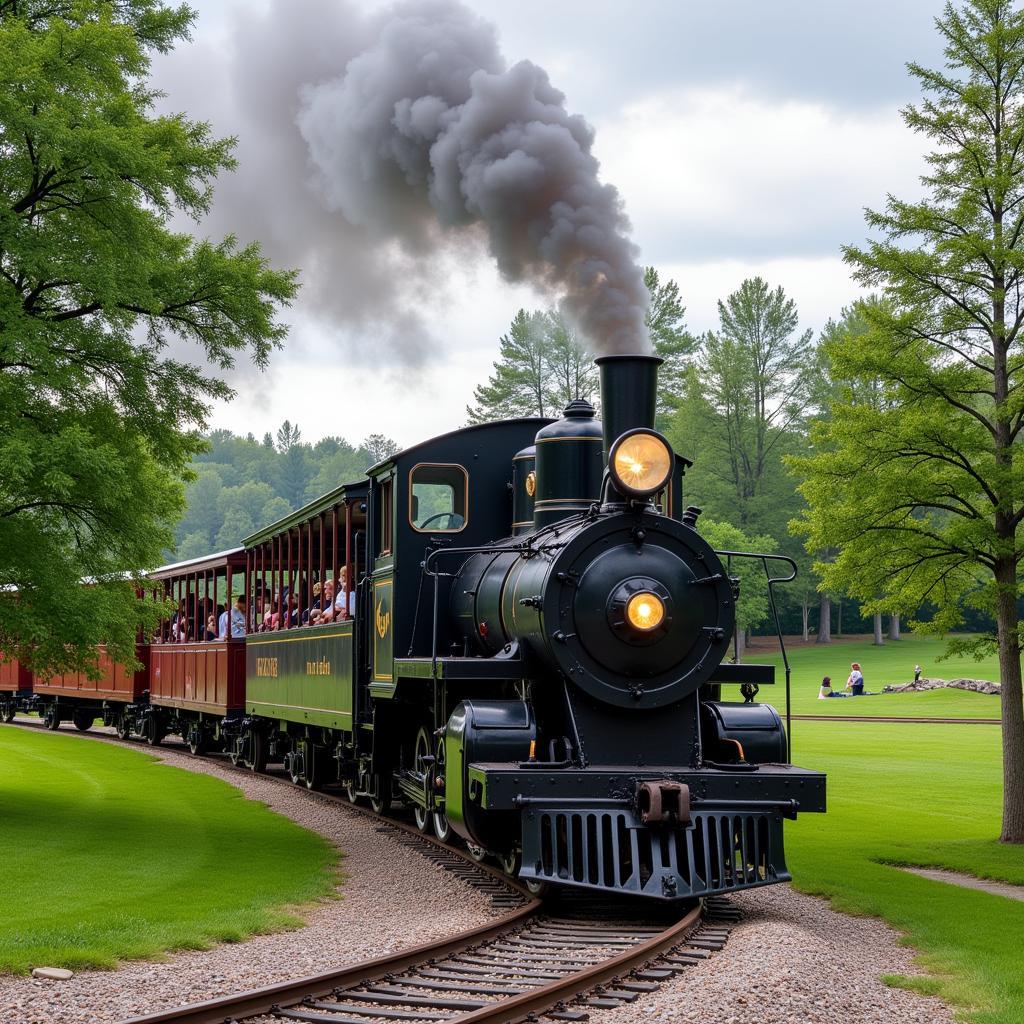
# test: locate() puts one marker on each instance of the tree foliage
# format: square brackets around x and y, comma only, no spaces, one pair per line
[745,396]
[666,322]
[541,367]
[99,419]
[241,485]
[923,491]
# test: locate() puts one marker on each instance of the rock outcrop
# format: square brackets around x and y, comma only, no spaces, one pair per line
[976,685]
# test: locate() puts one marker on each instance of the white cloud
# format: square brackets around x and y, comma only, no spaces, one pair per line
[721,173]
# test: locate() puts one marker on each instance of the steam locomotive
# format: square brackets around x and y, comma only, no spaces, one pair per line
[532,658]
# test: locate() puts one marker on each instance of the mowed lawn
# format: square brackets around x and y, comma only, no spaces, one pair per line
[928,795]
[893,663]
[110,855]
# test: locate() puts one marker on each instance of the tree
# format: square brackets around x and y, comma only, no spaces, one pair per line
[746,395]
[568,367]
[519,384]
[923,493]
[378,448]
[288,436]
[666,322]
[752,607]
[99,421]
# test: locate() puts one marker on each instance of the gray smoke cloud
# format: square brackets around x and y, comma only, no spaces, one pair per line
[370,144]
[427,125]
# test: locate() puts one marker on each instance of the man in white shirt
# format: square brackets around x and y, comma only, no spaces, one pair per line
[237,620]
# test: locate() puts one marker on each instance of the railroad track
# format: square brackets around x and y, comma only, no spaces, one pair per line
[559,958]
[559,961]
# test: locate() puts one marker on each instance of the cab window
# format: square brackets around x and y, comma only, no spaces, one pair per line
[438,498]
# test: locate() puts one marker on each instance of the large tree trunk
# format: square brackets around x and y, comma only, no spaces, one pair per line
[839,617]
[825,621]
[894,626]
[740,641]
[805,612]
[1011,703]
[878,629]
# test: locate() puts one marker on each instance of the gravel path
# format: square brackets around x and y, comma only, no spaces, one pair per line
[791,960]
[392,897]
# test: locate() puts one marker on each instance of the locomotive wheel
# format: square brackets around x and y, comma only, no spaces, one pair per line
[9,713]
[83,720]
[511,863]
[381,804]
[422,815]
[51,719]
[536,888]
[478,853]
[442,826]
[122,728]
[351,793]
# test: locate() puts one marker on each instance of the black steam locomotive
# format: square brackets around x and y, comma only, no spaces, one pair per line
[563,681]
[531,656]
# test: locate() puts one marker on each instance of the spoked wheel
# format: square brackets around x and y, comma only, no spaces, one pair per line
[51,719]
[351,793]
[421,815]
[292,764]
[83,720]
[8,714]
[442,826]
[511,863]
[122,728]
[536,887]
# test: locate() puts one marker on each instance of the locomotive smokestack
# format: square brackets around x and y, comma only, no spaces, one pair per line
[629,394]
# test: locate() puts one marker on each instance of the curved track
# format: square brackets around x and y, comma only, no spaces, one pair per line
[534,959]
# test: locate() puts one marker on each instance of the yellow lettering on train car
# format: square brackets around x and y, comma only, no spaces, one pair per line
[320,667]
[266,668]
[383,620]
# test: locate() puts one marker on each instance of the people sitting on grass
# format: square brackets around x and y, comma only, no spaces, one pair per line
[826,690]
[855,682]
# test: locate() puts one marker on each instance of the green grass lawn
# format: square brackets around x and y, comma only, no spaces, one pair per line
[110,855]
[892,663]
[926,795]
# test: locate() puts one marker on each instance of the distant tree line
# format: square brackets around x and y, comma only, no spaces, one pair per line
[241,484]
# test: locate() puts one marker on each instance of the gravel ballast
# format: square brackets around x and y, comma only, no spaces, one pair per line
[791,960]
[392,897]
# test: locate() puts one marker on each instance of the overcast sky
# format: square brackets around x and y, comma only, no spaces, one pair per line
[745,138]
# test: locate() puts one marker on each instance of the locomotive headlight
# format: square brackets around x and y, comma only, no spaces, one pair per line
[645,611]
[641,463]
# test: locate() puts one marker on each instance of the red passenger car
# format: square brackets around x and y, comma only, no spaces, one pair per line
[197,658]
[74,696]
[15,686]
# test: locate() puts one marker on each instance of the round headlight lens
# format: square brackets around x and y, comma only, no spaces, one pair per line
[645,611]
[641,463]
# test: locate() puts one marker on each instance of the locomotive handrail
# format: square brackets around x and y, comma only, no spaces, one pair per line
[482,549]
[764,559]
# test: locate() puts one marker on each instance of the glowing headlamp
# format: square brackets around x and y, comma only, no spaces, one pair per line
[645,611]
[640,463]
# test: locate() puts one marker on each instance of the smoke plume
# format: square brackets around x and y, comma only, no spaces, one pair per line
[427,122]
[370,144]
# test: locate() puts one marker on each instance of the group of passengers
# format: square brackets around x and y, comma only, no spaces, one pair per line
[215,621]
[329,604]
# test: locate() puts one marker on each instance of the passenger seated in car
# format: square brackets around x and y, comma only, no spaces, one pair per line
[324,611]
[307,615]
